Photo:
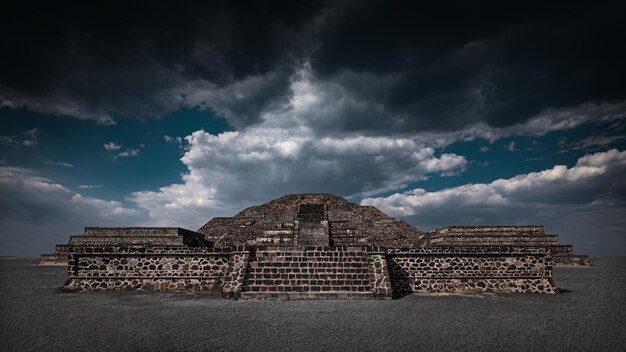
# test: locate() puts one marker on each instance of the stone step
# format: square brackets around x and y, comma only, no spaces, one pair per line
[331,271]
[306,295]
[316,276]
[311,254]
[300,271]
[306,288]
[310,217]
[306,280]
[338,265]
[307,261]
[278,232]
[312,250]
[321,281]
[362,259]
[308,257]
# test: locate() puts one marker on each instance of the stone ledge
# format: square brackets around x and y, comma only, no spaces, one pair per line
[142,277]
[146,250]
[462,250]
[307,295]
[571,260]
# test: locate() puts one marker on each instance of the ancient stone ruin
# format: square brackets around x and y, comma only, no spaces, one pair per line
[314,246]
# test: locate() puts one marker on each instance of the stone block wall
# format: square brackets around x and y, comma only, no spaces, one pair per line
[59,257]
[513,236]
[470,269]
[536,230]
[492,240]
[127,237]
[380,282]
[146,268]
[138,236]
[236,273]
[311,272]
[315,272]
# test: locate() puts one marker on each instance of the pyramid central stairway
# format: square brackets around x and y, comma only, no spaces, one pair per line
[322,272]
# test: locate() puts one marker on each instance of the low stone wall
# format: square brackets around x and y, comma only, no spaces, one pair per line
[491,240]
[470,269]
[58,258]
[504,236]
[147,268]
[139,236]
[236,273]
[380,282]
[571,259]
[315,273]
[502,230]
[311,272]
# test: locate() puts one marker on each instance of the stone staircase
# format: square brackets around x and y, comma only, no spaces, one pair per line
[320,272]
[312,223]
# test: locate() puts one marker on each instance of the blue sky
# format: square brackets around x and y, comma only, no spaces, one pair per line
[448,116]
[72,152]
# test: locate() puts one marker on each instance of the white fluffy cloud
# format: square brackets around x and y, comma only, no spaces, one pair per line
[594,177]
[31,204]
[111,146]
[298,145]
[570,201]
[128,153]
[234,169]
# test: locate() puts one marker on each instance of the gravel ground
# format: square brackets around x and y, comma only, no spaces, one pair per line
[37,316]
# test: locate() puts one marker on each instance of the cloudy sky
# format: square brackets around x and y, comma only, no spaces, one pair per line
[168,115]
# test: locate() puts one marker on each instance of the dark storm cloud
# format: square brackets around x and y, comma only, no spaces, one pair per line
[129,59]
[402,66]
[219,41]
[481,61]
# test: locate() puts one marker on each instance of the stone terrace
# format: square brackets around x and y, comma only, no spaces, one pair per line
[519,236]
[304,246]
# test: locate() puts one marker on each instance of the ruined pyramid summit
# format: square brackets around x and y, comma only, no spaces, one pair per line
[313,246]
[306,220]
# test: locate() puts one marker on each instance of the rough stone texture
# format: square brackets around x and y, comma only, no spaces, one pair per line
[128,237]
[518,236]
[310,272]
[378,273]
[59,257]
[138,236]
[146,268]
[314,246]
[273,224]
[235,275]
[312,225]
[471,270]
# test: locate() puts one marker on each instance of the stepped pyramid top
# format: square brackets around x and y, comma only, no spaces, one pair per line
[348,222]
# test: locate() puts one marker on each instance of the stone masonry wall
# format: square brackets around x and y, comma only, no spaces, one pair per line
[236,273]
[501,236]
[467,270]
[59,257]
[311,272]
[146,268]
[315,273]
[379,273]
[492,240]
